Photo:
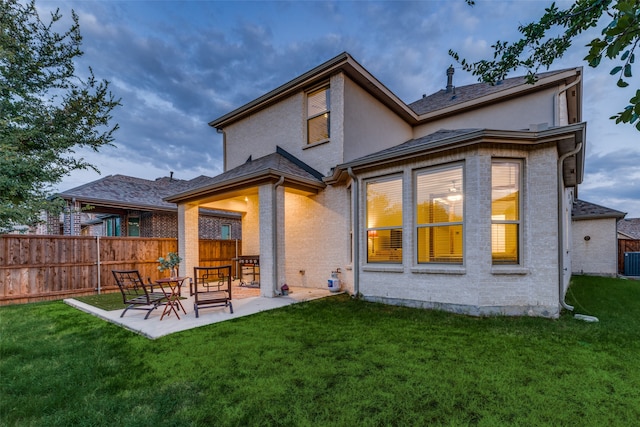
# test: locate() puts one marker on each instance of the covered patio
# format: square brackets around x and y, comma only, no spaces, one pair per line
[244,304]
[276,196]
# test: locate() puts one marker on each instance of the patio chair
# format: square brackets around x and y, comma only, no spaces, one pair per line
[136,294]
[211,287]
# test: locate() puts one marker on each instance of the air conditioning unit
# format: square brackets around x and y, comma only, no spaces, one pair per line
[632,263]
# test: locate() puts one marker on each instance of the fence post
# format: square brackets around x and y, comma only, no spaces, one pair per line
[98,261]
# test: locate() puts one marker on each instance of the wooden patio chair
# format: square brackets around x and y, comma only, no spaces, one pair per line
[136,294]
[211,287]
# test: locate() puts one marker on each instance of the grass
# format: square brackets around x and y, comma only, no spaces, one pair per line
[335,361]
[111,301]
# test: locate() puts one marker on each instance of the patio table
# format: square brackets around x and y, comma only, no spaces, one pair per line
[171,286]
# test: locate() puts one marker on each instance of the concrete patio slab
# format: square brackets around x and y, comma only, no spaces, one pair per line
[154,328]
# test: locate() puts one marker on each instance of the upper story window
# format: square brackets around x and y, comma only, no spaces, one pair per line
[505,211]
[384,220]
[440,214]
[318,112]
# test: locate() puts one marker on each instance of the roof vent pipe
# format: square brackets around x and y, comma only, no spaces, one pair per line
[450,72]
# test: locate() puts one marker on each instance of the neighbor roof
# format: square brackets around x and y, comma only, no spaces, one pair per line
[128,192]
[630,227]
[582,210]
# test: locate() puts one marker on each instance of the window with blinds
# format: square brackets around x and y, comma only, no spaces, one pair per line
[318,114]
[384,221]
[440,214]
[505,211]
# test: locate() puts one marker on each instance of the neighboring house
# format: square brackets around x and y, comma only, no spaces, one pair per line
[595,240]
[458,201]
[629,246]
[629,229]
[119,205]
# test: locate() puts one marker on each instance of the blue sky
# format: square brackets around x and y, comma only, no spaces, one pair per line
[179,64]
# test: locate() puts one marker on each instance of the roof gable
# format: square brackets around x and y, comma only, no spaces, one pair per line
[428,108]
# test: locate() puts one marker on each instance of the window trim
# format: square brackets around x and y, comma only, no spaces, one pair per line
[439,266]
[324,86]
[497,266]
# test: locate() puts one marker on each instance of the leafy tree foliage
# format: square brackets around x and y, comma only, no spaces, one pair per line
[536,49]
[46,110]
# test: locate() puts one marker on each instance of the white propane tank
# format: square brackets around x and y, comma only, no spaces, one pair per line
[334,282]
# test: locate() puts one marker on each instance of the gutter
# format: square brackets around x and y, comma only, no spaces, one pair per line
[356,234]
[274,231]
[561,295]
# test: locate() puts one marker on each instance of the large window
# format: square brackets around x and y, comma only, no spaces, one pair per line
[439,215]
[384,221]
[318,123]
[505,211]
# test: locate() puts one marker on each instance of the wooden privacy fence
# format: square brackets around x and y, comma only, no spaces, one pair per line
[625,245]
[38,268]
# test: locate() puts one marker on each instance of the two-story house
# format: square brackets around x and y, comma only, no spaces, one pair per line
[458,201]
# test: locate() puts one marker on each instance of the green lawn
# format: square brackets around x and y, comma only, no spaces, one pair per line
[334,361]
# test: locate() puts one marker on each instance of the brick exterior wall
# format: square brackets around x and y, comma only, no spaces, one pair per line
[477,287]
[211,227]
[595,247]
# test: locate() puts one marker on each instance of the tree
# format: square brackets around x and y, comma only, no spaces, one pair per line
[46,111]
[537,48]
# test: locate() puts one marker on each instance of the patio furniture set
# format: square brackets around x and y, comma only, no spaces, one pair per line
[209,287]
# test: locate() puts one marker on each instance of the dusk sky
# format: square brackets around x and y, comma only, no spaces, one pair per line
[178,65]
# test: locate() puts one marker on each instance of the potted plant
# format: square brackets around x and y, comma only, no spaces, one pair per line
[170,262]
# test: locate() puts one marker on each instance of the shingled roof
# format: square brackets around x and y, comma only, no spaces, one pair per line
[129,192]
[253,172]
[630,227]
[582,210]
[458,95]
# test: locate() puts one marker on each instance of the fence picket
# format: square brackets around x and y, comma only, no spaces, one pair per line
[38,268]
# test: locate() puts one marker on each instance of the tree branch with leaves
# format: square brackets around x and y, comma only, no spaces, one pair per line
[537,49]
[47,111]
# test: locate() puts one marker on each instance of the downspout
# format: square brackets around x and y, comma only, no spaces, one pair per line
[356,233]
[563,303]
[274,230]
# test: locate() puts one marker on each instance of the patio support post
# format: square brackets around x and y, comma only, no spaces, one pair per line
[271,238]
[188,238]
